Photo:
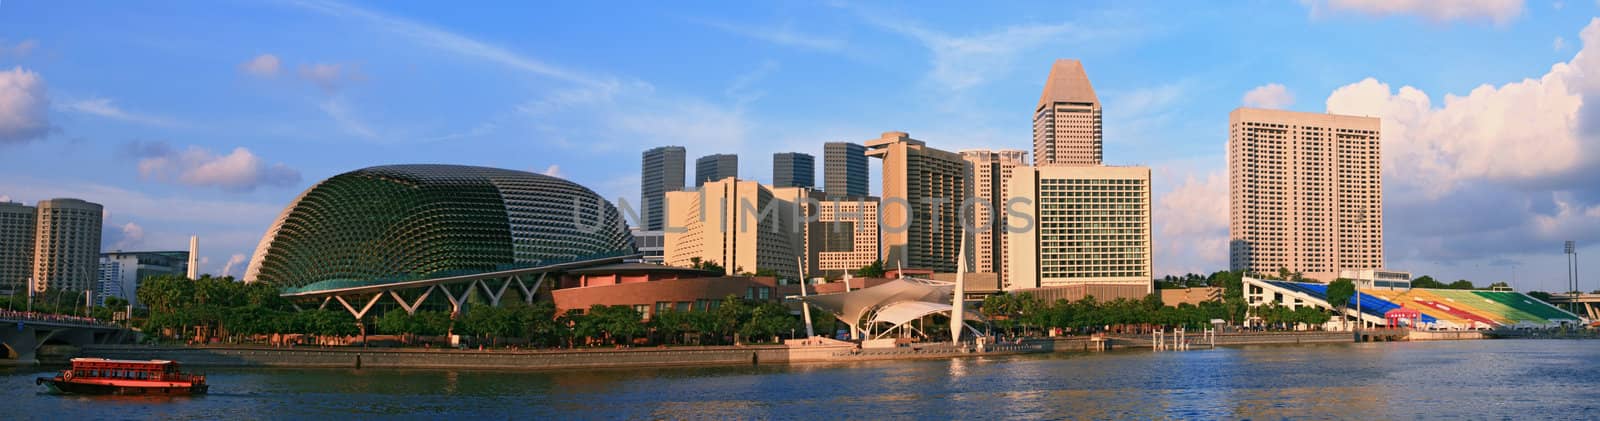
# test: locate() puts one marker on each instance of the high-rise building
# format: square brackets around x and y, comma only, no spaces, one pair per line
[802,203]
[662,172]
[121,272]
[1066,123]
[16,246]
[844,169]
[738,224]
[844,237]
[1091,226]
[923,189]
[794,169]
[652,245]
[66,251]
[990,171]
[1305,192]
[715,167]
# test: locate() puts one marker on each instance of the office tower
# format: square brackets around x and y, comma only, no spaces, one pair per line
[923,189]
[794,169]
[1066,123]
[662,172]
[845,236]
[715,167]
[16,246]
[121,272]
[725,222]
[844,169]
[66,251]
[990,171]
[651,245]
[1305,192]
[1091,226]
[802,203]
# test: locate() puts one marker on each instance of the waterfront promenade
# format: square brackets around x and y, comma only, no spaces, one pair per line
[829,351]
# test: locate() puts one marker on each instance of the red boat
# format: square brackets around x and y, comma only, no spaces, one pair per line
[99,376]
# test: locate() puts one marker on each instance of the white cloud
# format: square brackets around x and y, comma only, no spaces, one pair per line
[340,112]
[1559,44]
[24,106]
[265,65]
[960,62]
[147,208]
[234,260]
[1497,11]
[239,170]
[127,236]
[104,107]
[553,170]
[784,35]
[1192,225]
[328,76]
[1271,95]
[1498,171]
[4,198]
[446,41]
[20,49]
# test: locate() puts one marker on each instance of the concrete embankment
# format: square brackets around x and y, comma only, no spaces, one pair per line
[218,356]
[1074,344]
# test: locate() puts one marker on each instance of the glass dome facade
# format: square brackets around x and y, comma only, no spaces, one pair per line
[399,222]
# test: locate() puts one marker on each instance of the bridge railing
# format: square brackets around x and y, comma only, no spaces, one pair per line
[52,318]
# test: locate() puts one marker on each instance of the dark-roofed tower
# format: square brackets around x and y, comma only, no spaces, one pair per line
[1066,124]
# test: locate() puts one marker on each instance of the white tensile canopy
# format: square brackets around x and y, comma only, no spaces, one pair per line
[904,312]
[895,302]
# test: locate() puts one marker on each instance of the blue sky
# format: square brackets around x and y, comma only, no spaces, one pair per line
[207,118]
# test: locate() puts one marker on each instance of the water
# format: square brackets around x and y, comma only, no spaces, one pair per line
[1498,379]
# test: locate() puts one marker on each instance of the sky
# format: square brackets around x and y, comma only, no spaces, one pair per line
[207,118]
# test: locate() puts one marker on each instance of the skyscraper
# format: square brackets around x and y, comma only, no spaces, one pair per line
[990,171]
[1091,227]
[794,169]
[844,169]
[66,251]
[1066,123]
[661,172]
[1305,192]
[923,189]
[122,272]
[711,226]
[715,167]
[16,246]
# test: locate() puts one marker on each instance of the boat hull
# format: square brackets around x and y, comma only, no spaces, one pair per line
[63,386]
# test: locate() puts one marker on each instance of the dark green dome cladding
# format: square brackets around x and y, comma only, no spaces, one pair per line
[401,222]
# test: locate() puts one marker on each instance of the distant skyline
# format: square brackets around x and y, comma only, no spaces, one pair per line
[188,120]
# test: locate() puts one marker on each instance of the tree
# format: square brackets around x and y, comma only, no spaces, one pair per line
[873,270]
[765,272]
[1461,284]
[1501,284]
[767,320]
[1339,293]
[708,266]
[1426,281]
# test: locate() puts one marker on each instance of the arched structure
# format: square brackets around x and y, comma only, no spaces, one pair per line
[399,223]
[895,303]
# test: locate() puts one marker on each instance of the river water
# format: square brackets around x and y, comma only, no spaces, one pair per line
[1491,379]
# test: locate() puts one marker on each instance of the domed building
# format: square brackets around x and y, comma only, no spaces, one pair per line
[403,222]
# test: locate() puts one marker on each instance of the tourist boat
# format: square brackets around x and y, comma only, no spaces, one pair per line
[99,376]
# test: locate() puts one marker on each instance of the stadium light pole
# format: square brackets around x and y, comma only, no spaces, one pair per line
[1571,250]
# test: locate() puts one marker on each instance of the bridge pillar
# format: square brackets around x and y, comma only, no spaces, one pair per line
[20,343]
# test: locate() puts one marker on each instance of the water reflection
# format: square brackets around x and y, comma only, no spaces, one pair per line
[1473,380]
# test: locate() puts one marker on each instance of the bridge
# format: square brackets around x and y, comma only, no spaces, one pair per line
[1587,305]
[21,334]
